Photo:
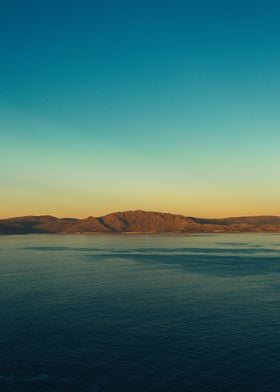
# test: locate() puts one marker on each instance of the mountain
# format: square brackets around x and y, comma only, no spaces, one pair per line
[138,222]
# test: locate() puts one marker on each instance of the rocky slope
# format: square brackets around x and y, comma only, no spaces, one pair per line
[138,222]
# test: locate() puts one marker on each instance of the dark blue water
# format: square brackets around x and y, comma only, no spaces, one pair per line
[140,313]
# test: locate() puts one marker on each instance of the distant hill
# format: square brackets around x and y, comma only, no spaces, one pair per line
[138,222]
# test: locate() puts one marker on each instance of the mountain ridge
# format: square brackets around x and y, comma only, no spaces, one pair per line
[138,221]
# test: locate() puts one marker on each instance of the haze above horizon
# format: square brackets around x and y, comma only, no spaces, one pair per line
[169,106]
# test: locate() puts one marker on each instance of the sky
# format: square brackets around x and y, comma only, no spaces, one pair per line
[163,105]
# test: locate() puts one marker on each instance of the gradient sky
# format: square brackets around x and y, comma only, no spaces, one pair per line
[158,105]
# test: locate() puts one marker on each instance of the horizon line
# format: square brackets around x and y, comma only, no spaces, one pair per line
[139,210]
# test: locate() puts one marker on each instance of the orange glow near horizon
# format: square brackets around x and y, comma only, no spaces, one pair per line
[198,207]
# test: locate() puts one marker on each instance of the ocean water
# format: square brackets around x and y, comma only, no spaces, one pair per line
[132,313]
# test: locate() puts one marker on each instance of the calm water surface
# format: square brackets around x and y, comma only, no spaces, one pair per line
[140,313]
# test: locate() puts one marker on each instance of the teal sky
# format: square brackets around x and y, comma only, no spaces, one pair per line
[158,105]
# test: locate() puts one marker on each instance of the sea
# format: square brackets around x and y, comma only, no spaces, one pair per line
[140,313]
